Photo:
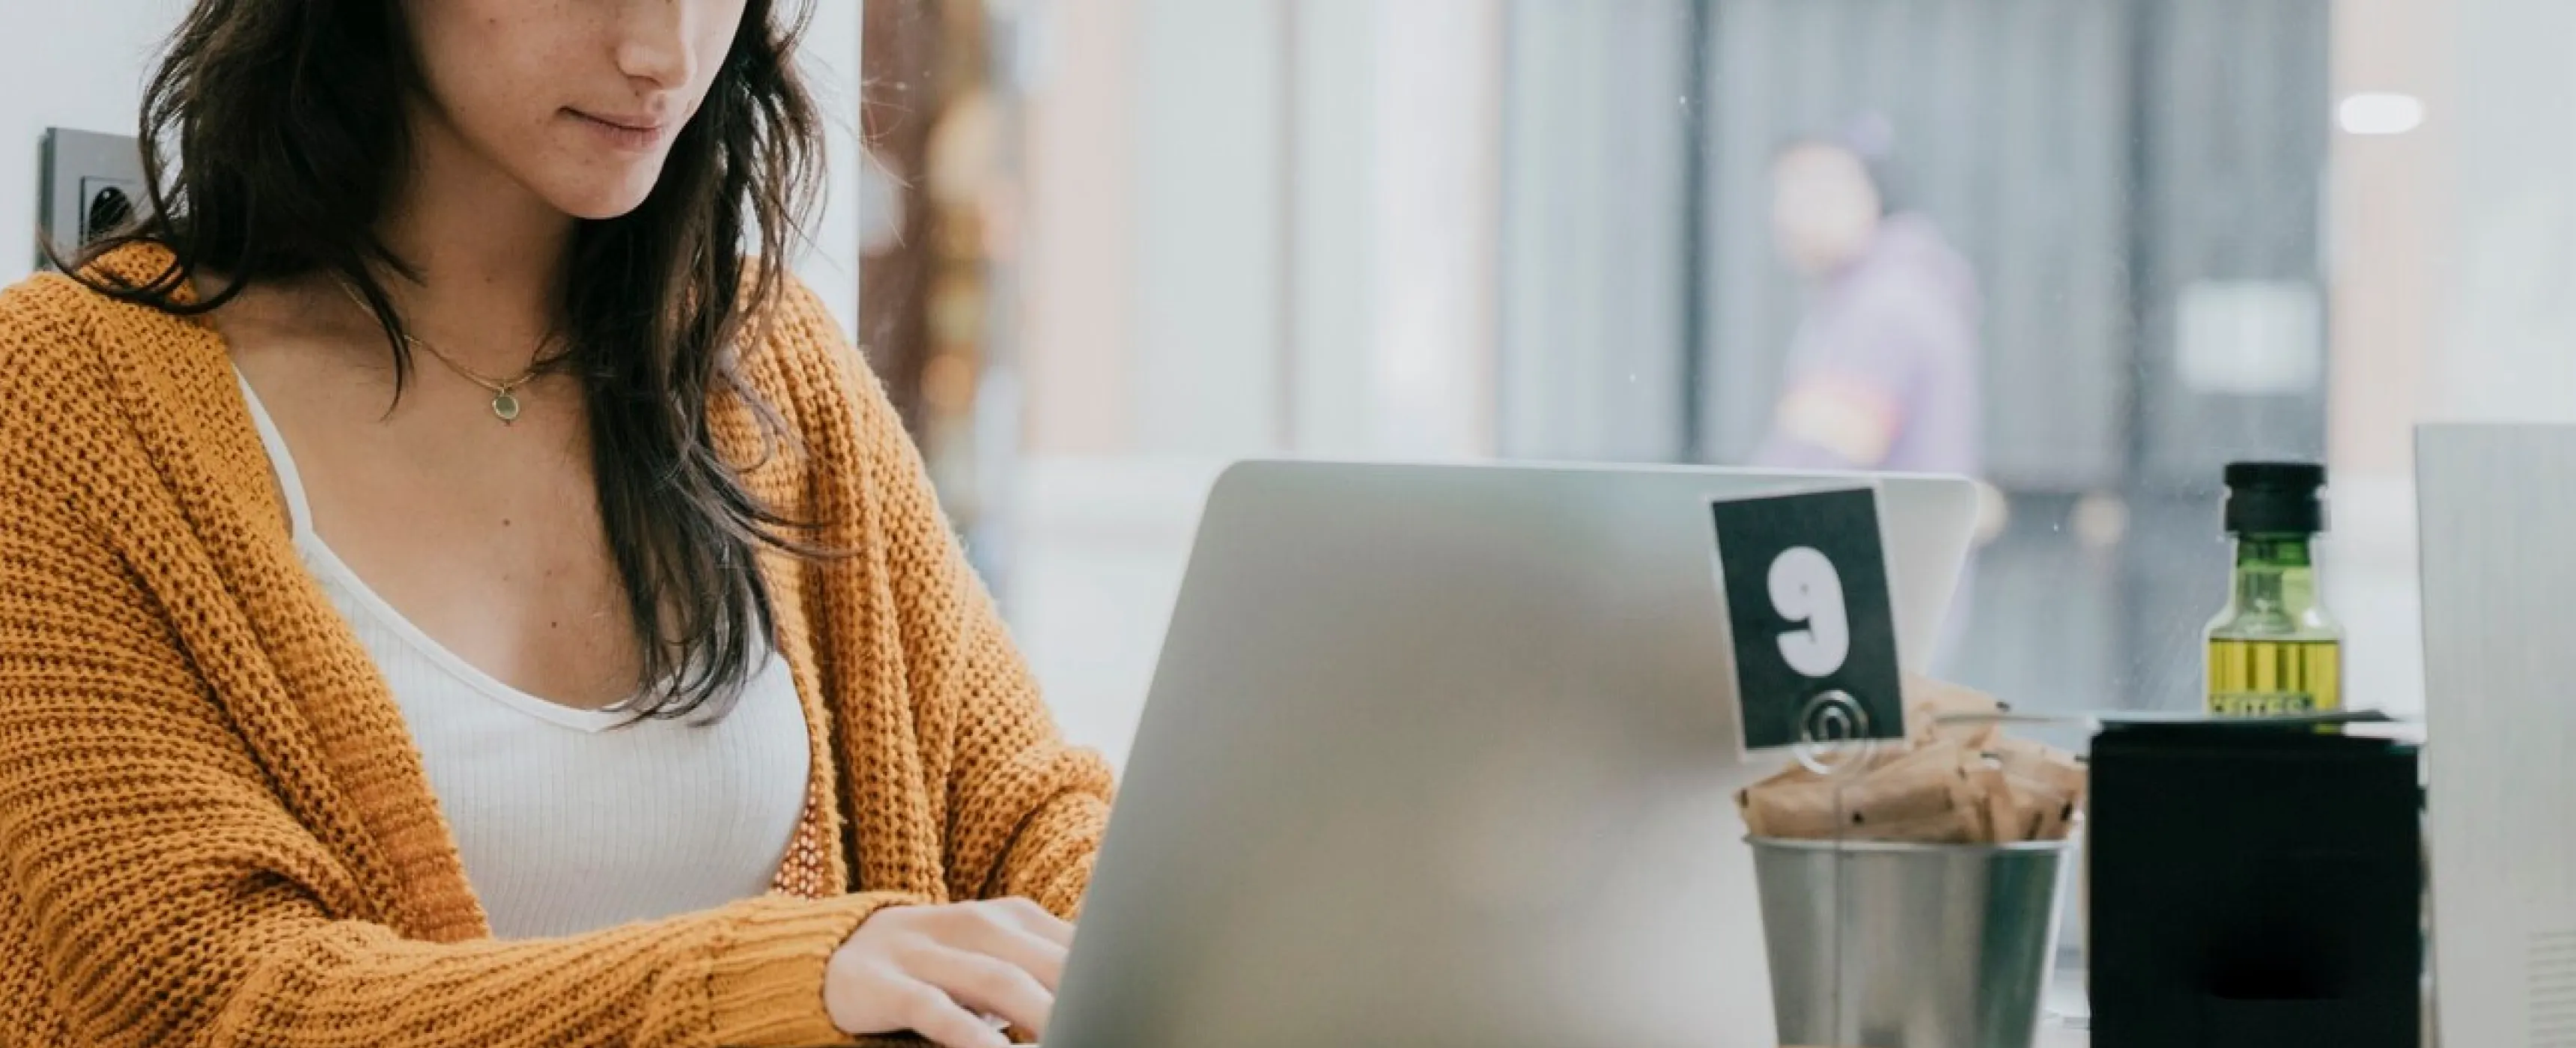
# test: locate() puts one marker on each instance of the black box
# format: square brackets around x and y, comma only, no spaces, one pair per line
[2254,885]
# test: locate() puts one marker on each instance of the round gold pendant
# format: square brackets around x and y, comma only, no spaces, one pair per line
[506,405]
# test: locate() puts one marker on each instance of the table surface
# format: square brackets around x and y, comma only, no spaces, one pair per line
[2065,997]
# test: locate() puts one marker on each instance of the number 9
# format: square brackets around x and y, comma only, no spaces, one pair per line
[1806,589]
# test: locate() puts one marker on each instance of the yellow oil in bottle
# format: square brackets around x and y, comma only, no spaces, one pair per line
[2267,677]
[2274,650]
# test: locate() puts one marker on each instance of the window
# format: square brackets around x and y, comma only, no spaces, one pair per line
[1161,234]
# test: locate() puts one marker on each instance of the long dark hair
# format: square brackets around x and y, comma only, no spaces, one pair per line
[273,144]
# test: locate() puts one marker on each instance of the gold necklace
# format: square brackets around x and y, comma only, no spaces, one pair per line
[505,391]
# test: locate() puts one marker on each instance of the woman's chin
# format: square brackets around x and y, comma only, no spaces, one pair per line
[602,200]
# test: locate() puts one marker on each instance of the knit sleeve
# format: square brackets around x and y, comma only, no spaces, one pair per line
[176,901]
[169,896]
[1025,811]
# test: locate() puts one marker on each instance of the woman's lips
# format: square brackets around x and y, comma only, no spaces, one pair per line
[625,132]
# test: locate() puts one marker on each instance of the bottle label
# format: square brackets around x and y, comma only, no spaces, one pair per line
[2261,678]
[2261,703]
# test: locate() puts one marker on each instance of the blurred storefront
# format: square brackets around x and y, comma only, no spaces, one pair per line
[1141,238]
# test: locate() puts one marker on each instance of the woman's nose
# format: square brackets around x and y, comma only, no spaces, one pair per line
[653,42]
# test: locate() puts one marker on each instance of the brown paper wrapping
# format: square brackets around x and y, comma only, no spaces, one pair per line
[2053,808]
[1955,826]
[1927,701]
[1956,784]
[1917,785]
[1805,809]
[2033,761]
[2007,819]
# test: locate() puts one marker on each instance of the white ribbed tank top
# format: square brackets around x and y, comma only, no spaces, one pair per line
[573,820]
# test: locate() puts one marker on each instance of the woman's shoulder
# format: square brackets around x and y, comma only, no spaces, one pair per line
[47,319]
[800,362]
[78,368]
[60,338]
[52,320]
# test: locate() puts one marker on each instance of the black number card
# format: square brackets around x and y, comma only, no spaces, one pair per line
[1805,582]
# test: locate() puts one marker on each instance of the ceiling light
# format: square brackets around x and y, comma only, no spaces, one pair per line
[2380,113]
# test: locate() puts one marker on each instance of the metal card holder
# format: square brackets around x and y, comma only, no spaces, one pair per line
[1835,743]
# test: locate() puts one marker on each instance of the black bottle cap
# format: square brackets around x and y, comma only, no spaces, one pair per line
[2275,498]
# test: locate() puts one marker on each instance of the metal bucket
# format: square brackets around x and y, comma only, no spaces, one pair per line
[1879,945]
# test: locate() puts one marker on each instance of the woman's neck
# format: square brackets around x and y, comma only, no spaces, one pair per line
[490,254]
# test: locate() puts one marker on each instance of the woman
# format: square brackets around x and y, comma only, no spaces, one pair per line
[450,594]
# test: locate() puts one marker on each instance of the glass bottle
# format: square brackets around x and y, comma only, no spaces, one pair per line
[2275,649]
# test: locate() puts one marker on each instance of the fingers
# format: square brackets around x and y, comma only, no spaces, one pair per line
[1042,959]
[986,984]
[1035,920]
[932,969]
[1012,930]
[930,1011]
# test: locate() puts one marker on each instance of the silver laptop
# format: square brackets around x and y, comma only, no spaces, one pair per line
[1445,756]
[2498,513]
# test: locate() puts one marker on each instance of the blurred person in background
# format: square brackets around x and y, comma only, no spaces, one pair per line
[1882,373]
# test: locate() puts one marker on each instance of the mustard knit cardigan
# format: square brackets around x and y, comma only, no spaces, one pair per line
[215,829]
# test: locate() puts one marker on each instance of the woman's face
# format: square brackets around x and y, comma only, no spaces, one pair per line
[576,100]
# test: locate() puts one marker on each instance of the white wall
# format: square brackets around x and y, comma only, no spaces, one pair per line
[1209,174]
[81,63]
[2391,273]
[1431,388]
[2455,249]
[831,60]
[1257,228]
[77,65]
[2509,350]
[1393,214]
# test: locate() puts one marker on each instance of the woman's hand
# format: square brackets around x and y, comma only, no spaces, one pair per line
[949,972]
